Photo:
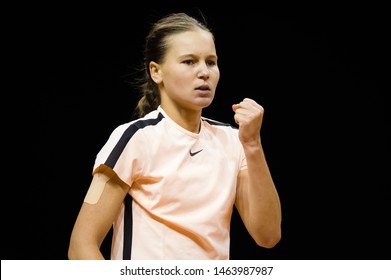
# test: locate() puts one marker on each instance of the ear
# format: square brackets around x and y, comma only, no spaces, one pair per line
[154,69]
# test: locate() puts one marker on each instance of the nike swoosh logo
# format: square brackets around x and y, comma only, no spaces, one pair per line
[193,154]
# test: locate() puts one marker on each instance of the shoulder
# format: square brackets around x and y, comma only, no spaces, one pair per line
[130,128]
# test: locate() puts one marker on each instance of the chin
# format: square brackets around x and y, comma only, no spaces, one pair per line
[205,105]
[205,102]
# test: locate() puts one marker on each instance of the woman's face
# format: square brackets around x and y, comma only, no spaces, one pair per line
[189,74]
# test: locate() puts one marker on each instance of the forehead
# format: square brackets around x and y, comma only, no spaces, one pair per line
[194,42]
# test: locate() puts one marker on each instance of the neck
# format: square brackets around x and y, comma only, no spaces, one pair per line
[188,119]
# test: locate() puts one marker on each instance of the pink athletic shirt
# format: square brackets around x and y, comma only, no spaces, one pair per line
[182,187]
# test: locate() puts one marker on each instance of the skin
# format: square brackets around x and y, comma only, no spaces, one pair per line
[187,80]
[188,77]
[257,199]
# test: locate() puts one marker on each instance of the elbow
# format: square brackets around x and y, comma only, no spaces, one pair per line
[268,240]
[70,255]
[76,248]
[84,249]
[71,251]
[269,243]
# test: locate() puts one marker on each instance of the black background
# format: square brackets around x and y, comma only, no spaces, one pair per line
[317,70]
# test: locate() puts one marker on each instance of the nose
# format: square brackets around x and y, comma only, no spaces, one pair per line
[203,71]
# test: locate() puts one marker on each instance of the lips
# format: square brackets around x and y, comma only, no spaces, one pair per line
[204,87]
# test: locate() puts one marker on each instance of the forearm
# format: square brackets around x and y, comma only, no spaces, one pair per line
[264,208]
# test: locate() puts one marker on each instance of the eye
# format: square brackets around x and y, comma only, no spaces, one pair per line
[188,61]
[211,63]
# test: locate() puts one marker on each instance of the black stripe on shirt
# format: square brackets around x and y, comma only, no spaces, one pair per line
[111,161]
[126,136]
[214,122]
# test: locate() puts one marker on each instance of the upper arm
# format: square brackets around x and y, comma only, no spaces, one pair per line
[95,219]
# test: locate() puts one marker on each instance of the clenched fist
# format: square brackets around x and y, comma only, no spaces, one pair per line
[249,116]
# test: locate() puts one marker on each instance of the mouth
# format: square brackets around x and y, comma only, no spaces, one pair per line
[204,87]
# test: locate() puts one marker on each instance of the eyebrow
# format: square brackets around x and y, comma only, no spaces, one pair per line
[193,55]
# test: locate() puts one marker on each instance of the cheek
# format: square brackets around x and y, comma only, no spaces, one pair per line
[176,85]
[180,79]
[215,72]
[215,77]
